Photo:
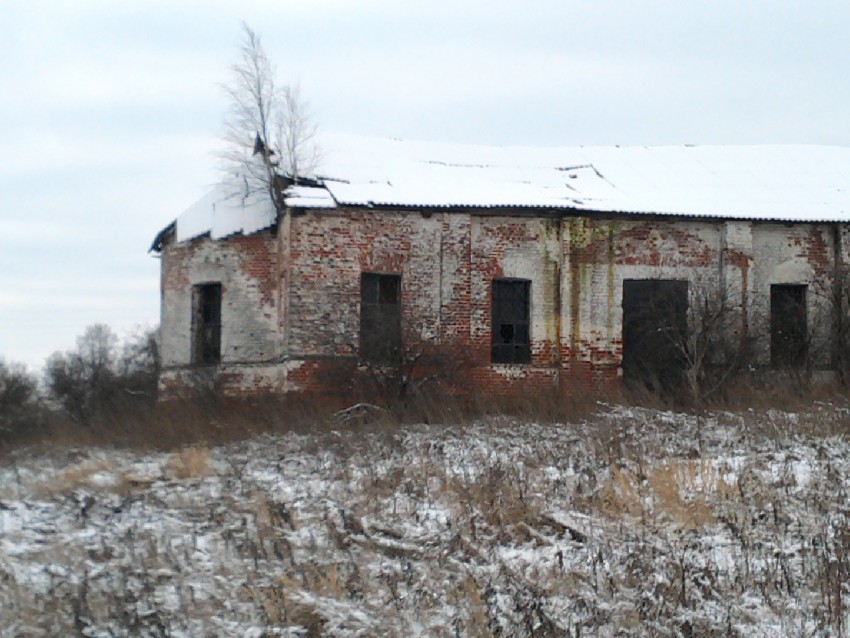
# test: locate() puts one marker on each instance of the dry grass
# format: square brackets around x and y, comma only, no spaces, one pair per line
[189,463]
[92,475]
[290,599]
[684,492]
[620,494]
[687,490]
[174,425]
[545,404]
[609,527]
[469,596]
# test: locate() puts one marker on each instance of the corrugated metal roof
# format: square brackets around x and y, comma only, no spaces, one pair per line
[784,182]
[794,183]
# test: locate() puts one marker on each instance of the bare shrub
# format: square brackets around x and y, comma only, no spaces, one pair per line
[20,409]
[98,379]
[711,345]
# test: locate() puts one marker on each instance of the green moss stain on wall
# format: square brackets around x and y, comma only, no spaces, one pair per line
[610,257]
[552,259]
[579,240]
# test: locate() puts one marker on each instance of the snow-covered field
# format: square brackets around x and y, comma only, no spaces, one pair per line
[634,522]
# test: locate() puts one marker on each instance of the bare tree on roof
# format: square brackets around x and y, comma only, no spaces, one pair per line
[269,132]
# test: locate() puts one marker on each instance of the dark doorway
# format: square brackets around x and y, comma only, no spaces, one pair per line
[788,329]
[655,324]
[206,324]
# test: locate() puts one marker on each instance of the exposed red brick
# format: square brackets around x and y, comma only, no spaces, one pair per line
[293,293]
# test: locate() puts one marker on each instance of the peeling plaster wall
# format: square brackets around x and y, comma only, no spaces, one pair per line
[599,254]
[291,299]
[522,248]
[793,254]
[246,268]
[232,379]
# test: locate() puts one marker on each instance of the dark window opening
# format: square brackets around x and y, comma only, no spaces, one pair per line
[511,342]
[655,324]
[380,318]
[206,325]
[788,325]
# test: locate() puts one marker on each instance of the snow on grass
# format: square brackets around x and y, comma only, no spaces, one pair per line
[635,522]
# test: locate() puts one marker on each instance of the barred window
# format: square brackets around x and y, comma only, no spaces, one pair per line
[511,341]
[380,317]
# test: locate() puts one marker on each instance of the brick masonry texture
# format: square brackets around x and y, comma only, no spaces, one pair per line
[291,294]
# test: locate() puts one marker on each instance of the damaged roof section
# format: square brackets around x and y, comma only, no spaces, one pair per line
[768,182]
[777,183]
[226,210]
[314,196]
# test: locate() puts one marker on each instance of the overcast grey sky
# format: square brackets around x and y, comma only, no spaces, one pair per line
[111,110]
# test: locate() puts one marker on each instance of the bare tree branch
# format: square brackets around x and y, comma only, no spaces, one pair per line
[269,132]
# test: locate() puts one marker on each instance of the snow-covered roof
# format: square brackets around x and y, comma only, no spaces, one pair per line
[226,210]
[780,182]
[309,197]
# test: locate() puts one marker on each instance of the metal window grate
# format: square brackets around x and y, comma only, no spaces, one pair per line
[380,317]
[511,340]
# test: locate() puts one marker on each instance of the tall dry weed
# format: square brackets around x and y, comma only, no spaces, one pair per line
[189,463]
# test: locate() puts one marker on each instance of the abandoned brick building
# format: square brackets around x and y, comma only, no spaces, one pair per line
[533,266]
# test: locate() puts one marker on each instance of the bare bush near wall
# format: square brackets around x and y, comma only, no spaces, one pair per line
[839,303]
[707,350]
[717,346]
[826,340]
[417,376]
